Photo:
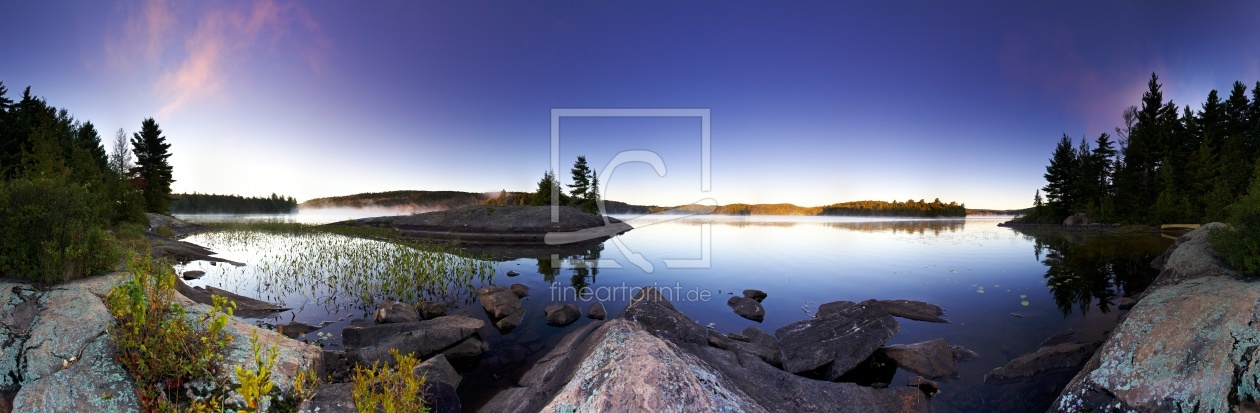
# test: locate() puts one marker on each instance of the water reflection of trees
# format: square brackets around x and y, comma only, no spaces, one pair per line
[583,265]
[1091,270]
[920,227]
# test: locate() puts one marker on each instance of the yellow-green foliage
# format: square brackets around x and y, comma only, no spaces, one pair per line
[158,344]
[392,390]
[256,382]
[304,384]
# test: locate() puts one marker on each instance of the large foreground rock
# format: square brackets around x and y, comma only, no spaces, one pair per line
[600,367]
[842,335]
[1192,343]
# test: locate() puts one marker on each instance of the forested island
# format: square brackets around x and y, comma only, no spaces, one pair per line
[195,203]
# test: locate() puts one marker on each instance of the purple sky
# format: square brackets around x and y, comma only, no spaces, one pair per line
[811,102]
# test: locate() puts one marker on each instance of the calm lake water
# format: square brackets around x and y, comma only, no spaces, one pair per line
[1004,291]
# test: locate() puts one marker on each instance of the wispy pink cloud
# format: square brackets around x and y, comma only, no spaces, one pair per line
[197,64]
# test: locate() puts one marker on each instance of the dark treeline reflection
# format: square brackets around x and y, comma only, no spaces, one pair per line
[583,267]
[921,227]
[1087,271]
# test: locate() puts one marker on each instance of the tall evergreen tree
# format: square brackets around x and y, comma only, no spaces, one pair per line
[581,174]
[1060,176]
[155,172]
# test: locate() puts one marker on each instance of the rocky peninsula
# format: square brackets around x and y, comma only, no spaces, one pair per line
[501,225]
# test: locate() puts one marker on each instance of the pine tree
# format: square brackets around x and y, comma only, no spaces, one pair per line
[581,174]
[1060,176]
[152,168]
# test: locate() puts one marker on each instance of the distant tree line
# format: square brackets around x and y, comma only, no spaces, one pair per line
[195,203]
[910,208]
[1172,165]
[392,199]
[60,192]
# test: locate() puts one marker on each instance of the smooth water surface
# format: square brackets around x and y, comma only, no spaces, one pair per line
[1004,291]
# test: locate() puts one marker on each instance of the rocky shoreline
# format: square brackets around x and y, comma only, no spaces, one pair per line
[1186,343]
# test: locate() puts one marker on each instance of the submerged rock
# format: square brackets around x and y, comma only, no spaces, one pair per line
[295,329]
[932,359]
[499,301]
[747,308]
[1056,358]
[561,315]
[755,294]
[512,321]
[841,336]
[914,310]
[596,311]
[600,367]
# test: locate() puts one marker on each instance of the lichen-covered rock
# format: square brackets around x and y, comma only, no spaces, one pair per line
[94,383]
[600,367]
[1078,219]
[292,356]
[71,318]
[1190,344]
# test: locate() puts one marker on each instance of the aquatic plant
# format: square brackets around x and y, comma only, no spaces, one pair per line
[330,263]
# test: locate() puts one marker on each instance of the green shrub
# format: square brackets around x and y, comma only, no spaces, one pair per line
[1239,244]
[159,345]
[52,231]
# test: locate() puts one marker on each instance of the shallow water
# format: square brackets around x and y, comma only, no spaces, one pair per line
[1004,291]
